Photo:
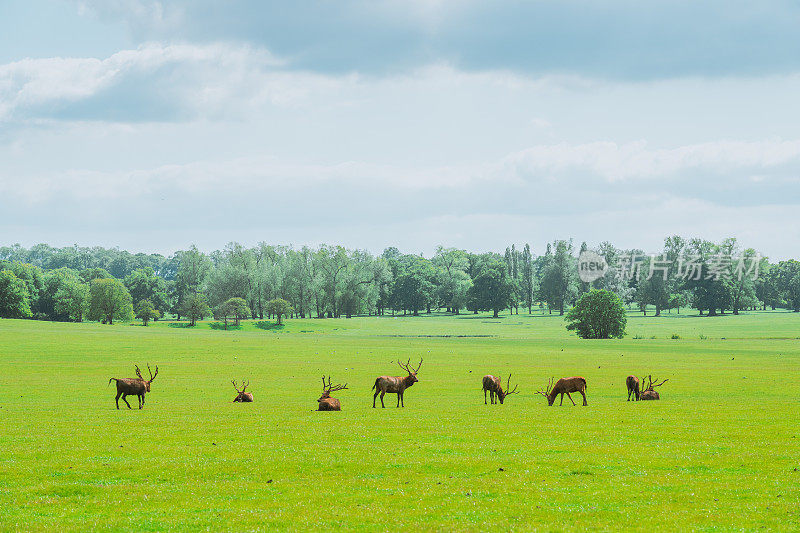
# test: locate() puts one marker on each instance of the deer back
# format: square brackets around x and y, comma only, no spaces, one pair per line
[632,382]
[491,383]
[565,385]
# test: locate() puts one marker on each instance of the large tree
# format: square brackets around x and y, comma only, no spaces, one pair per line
[109,300]
[559,283]
[492,288]
[14,299]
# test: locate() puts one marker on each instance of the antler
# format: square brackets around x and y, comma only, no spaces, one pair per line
[657,384]
[406,366]
[235,387]
[245,384]
[546,392]
[152,376]
[508,387]
[419,365]
[139,372]
[329,387]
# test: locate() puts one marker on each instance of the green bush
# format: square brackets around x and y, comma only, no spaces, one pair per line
[599,314]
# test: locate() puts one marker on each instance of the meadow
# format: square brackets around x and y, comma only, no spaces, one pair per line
[719,451]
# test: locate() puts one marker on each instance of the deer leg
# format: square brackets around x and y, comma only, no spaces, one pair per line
[382,395]
[399,397]
[117,399]
[124,399]
[562,399]
[140,397]
[584,397]
[373,398]
[484,396]
[570,398]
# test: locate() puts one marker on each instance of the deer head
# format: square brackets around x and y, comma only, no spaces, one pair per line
[547,393]
[327,388]
[152,376]
[501,394]
[412,372]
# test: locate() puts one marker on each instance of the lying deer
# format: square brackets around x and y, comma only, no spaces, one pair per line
[243,396]
[564,386]
[633,387]
[495,387]
[396,384]
[326,403]
[138,386]
[649,392]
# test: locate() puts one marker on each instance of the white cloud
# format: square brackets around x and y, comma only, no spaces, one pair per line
[216,72]
[618,162]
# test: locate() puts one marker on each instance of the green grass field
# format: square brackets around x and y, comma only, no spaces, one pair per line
[721,450]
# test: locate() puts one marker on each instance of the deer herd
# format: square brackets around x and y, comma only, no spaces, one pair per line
[643,389]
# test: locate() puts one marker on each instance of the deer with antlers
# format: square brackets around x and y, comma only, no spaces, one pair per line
[396,384]
[495,387]
[134,386]
[649,392]
[632,383]
[326,403]
[564,386]
[242,396]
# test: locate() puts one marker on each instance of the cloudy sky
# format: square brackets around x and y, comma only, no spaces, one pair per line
[152,125]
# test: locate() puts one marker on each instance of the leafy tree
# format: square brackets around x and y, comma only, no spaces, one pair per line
[145,311]
[559,280]
[144,284]
[492,288]
[72,298]
[14,299]
[32,276]
[452,279]
[195,307]
[788,278]
[279,307]
[109,299]
[232,308]
[598,314]
[527,285]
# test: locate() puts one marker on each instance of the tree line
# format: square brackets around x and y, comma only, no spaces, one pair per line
[264,281]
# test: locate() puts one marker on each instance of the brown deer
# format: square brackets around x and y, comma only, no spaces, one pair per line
[245,397]
[649,392]
[495,387]
[633,387]
[396,384]
[564,386]
[138,386]
[326,403]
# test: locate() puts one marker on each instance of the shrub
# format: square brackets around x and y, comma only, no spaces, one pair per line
[599,314]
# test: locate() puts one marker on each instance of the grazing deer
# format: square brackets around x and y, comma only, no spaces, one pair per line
[326,403]
[649,392]
[243,396]
[564,386]
[633,387]
[396,384]
[495,387]
[138,386]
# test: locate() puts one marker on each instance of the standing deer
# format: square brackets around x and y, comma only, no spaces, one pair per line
[633,387]
[649,392]
[243,396]
[326,403]
[396,384]
[495,387]
[138,386]
[564,386]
